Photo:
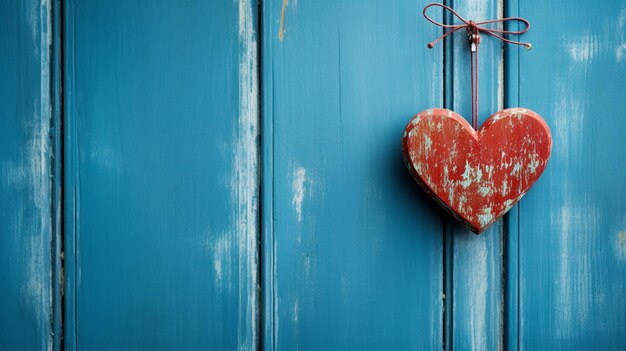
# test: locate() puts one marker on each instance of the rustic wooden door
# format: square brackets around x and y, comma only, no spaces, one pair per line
[186,175]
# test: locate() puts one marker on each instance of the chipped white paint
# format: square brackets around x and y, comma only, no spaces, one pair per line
[508,203]
[222,263]
[295,313]
[505,187]
[534,163]
[485,216]
[620,32]
[307,265]
[245,179]
[298,189]
[620,52]
[582,48]
[516,169]
[27,225]
[478,283]
[578,222]
[39,184]
[427,142]
[466,176]
[471,175]
[462,201]
[569,118]
[484,190]
[37,290]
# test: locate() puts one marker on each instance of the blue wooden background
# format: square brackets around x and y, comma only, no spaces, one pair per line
[227,175]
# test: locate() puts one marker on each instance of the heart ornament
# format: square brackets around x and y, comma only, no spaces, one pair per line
[477,176]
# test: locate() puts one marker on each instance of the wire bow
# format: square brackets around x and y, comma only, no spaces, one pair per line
[475,28]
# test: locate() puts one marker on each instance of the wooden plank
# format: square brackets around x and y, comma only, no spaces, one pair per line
[476,261]
[26,216]
[162,175]
[572,244]
[353,247]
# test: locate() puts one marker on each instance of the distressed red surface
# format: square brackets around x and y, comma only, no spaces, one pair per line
[477,175]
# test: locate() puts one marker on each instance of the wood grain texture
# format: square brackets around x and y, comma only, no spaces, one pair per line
[475,275]
[355,247]
[26,223]
[161,175]
[572,246]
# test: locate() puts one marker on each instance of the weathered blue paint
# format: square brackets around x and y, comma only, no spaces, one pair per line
[353,248]
[162,179]
[572,246]
[26,215]
[475,286]
[161,190]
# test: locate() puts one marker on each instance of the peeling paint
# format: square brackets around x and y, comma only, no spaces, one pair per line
[25,171]
[573,299]
[298,189]
[505,187]
[583,48]
[620,50]
[533,164]
[569,117]
[484,190]
[245,179]
[478,296]
[222,262]
[295,314]
[485,216]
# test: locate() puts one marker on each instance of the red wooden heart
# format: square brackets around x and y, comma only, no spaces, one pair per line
[477,175]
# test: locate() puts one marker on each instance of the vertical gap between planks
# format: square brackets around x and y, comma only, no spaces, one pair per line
[70,178]
[511,242]
[263,190]
[267,340]
[448,238]
[258,343]
[57,173]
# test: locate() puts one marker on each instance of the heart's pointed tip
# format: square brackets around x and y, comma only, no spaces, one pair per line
[478,231]
[474,229]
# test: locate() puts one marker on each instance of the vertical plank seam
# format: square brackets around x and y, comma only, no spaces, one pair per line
[511,308]
[448,257]
[44,186]
[267,236]
[70,180]
[56,204]
[261,256]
